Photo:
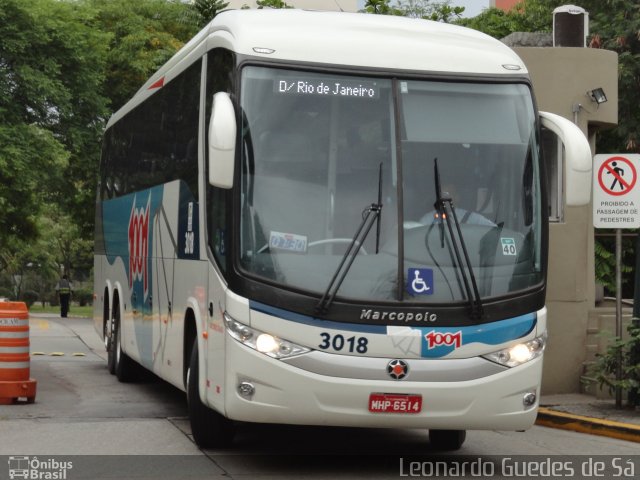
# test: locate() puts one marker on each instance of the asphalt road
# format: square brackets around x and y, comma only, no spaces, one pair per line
[113,430]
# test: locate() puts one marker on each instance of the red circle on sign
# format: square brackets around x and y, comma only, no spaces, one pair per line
[617,178]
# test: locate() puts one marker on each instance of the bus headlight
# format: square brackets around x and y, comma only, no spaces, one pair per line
[262,342]
[520,353]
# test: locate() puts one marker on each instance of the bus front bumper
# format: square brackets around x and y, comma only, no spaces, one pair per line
[282,393]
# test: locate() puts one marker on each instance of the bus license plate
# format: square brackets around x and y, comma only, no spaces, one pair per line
[394,403]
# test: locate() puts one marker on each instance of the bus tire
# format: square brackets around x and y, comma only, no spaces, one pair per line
[124,368]
[447,440]
[209,428]
[109,335]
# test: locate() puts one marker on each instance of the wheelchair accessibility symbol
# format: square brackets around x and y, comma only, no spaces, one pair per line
[420,281]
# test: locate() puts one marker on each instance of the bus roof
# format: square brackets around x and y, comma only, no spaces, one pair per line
[344,39]
[365,40]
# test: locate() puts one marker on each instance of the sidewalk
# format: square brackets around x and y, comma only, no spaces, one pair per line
[588,414]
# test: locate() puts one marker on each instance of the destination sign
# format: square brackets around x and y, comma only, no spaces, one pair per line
[327,88]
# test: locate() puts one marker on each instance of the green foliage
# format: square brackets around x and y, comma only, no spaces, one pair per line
[50,122]
[84,296]
[30,297]
[201,12]
[424,9]
[36,265]
[379,7]
[28,153]
[605,262]
[65,65]
[272,4]
[603,371]
[6,293]
[143,35]
[428,10]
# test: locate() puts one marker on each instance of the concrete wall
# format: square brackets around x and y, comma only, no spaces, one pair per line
[334,5]
[561,78]
[504,4]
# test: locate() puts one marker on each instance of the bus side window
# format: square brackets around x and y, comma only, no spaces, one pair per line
[220,65]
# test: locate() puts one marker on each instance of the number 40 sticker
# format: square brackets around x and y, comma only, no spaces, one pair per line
[508,246]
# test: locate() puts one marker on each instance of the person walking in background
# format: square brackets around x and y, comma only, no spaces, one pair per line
[64,291]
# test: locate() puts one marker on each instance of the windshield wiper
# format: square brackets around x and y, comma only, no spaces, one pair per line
[369,216]
[446,212]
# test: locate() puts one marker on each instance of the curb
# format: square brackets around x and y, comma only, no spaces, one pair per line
[594,426]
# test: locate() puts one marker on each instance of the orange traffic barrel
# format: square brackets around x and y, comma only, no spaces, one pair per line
[15,382]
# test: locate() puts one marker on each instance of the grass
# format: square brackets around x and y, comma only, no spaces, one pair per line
[74,310]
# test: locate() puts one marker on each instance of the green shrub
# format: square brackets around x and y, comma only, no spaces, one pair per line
[84,296]
[30,297]
[603,371]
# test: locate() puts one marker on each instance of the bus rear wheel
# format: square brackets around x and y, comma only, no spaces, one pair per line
[110,344]
[209,428]
[447,440]
[119,362]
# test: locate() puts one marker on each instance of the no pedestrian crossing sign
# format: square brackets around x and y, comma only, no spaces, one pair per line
[616,191]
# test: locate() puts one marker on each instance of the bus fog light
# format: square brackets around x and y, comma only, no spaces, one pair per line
[529,399]
[246,390]
[519,353]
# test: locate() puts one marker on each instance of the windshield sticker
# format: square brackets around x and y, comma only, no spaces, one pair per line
[289,242]
[420,281]
[508,246]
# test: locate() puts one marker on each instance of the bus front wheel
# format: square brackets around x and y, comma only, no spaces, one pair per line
[209,428]
[448,440]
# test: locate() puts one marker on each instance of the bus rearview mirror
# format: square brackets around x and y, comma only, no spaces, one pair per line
[222,141]
[578,158]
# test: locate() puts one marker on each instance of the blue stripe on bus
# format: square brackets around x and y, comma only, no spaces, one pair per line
[439,342]
[494,333]
[316,322]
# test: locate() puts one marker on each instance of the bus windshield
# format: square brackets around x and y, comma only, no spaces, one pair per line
[318,150]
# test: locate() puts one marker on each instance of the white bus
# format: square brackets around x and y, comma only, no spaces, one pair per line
[338,219]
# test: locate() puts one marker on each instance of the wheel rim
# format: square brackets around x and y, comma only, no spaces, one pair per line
[118,345]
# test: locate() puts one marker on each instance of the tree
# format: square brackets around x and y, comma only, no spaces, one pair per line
[143,35]
[272,4]
[498,23]
[201,12]
[50,120]
[425,9]
[380,7]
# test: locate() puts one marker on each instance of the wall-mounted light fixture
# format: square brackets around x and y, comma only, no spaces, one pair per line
[597,95]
